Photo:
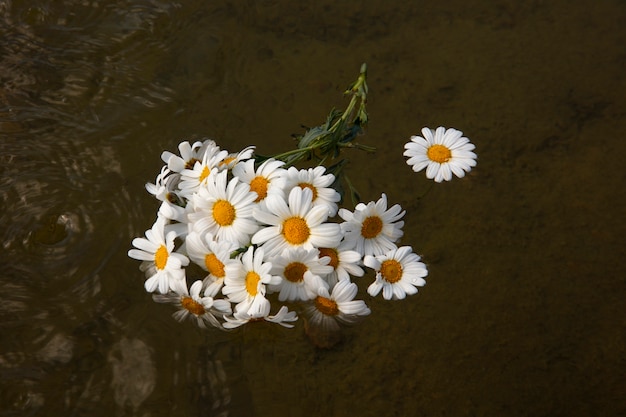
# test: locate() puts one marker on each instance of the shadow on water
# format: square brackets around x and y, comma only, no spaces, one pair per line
[522,313]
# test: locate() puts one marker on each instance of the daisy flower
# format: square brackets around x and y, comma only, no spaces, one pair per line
[164,187]
[246,281]
[267,179]
[197,177]
[301,270]
[224,210]
[233,159]
[189,155]
[372,229]
[442,152]
[319,183]
[296,224]
[163,266]
[398,273]
[192,304]
[212,256]
[284,317]
[327,310]
[345,262]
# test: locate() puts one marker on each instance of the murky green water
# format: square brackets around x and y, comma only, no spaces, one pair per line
[523,311]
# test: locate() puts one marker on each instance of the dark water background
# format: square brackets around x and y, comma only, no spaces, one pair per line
[523,313]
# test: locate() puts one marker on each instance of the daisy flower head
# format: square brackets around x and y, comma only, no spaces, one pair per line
[372,229]
[163,266]
[294,224]
[326,311]
[398,272]
[165,186]
[345,262]
[442,152]
[224,210]
[284,317]
[318,182]
[246,282]
[301,271]
[197,176]
[192,304]
[212,256]
[232,159]
[267,179]
[189,155]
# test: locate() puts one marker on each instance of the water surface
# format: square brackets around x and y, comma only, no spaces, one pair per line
[523,310]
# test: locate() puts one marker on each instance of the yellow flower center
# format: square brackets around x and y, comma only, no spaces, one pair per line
[372,226]
[391,270]
[326,306]
[311,187]
[223,213]
[214,265]
[294,272]
[439,153]
[296,231]
[332,254]
[259,186]
[192,306]
[252,282]
[160,257]
[205,173]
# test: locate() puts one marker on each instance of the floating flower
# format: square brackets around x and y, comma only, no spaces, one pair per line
[318,182]
[267,179]
[398,273]
[442,152]
[197,176]
[212,256]
[372,229]
[345,262]
[189,154]
[192,304]
[301,270]
[246,281]
[294,225]
[163,266]
[326,311]
[224,210]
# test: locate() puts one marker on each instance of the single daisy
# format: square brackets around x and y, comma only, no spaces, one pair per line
[284,317]
[197,176]
[372,229]
[189,155]
[246,282]
[327,310]
[212,256]
[295,224]
[345,262]
[301,271]
[163,266]
[233,159]
[442,152]
[224,210]
[192,304]
[165,185]
[398,272]
[318,182]
[267,179]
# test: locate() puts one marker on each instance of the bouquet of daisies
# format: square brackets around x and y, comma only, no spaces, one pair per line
[239,236]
